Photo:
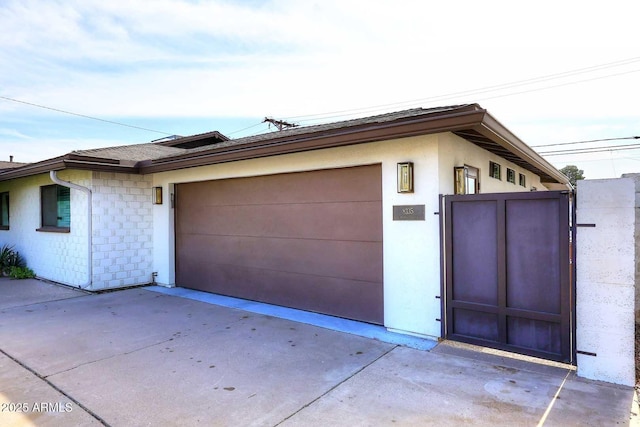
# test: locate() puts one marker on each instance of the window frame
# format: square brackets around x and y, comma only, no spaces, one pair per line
[5,206]
[522,180]
[48,209]
[495,170]
[511,176]
[463,176]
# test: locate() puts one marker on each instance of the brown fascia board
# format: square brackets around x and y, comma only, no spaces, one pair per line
[69,162]
[494,130]
[402,128]
[186,139]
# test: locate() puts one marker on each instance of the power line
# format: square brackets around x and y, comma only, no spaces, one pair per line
[585,142]
[83,115]
[558,85]
[591,150]
[242,130]
[454,95]
[492,88]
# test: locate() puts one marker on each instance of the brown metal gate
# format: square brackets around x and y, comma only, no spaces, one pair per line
[508,281]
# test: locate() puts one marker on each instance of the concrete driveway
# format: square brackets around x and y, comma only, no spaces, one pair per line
[138,357]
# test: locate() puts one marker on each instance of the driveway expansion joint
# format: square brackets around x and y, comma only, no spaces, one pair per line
[337,385]
[56,388]
[91,362]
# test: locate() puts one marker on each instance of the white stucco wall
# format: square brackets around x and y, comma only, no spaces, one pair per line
[605,280]
[455,151]
[121,238]
[411,249]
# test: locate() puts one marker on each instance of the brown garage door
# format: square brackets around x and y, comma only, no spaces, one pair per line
[309,240]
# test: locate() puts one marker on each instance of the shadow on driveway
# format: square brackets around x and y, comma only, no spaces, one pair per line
[137,357]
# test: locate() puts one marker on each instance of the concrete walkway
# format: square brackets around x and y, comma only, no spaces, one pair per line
[143,358]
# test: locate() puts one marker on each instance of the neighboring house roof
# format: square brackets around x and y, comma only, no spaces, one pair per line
[468,121]
[125,158]
[11,165]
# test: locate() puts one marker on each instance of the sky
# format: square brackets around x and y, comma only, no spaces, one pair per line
[80,74]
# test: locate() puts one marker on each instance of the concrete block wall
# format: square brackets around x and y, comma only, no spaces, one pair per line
[636,179]
[122,230]
[61,257]
[606,260]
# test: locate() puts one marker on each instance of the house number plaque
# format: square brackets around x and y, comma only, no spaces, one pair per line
[408,213]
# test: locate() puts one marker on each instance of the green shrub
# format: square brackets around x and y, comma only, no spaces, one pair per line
[21,273]
[9,258]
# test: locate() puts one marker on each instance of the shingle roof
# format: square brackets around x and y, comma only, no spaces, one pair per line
[11,165]
[136,153]
[469,121]
[325,127]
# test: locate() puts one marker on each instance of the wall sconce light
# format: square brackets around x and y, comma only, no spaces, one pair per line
[460,178]
[157,195]
[405,177]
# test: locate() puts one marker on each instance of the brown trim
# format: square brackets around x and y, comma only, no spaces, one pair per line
[4,227]
[54,229]
[470,122]
[185,140]
[81,158]
[328,139]
[66,162]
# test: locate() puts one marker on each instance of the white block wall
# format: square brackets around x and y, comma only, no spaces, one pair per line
[61,257]
[605,280]
[122,230]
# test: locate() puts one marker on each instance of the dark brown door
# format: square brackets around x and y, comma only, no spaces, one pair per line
[309,240]
[508,272]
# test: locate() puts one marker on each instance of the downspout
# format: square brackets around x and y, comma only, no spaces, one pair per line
[87,191]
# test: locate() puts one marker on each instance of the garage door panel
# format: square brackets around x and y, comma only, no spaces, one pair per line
[310,240]
[329,258]
[330,220]
[328,295]
[346,185]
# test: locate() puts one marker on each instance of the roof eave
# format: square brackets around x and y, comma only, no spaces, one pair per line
[494,130]
[68,162]
[372,132]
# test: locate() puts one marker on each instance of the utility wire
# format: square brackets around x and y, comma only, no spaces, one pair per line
[242,130]
[352,112]
[559,85]
[585,142]
[84,116]
[591,150]
[485,89]
[471,92]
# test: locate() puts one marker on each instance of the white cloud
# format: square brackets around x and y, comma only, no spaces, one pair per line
[171,58]
[13,133]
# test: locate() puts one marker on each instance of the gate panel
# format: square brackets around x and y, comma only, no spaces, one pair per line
[507,272]
[533,258]
[475,264]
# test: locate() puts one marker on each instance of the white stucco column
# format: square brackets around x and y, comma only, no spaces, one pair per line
[605,280]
